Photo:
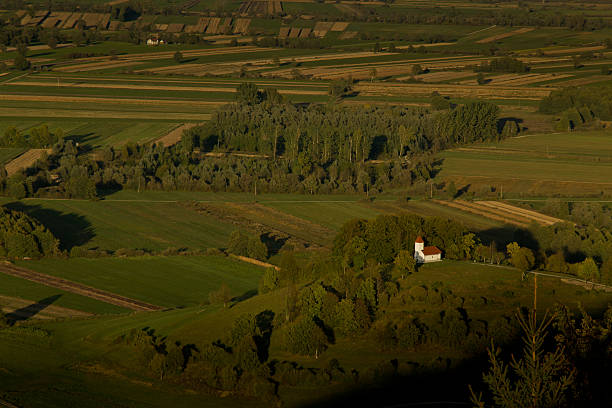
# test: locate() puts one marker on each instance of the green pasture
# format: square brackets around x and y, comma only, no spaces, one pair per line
[173,281]
[113,225]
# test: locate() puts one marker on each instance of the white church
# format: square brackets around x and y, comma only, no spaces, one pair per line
[425,254]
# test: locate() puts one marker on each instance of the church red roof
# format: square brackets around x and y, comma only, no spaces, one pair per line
[419,240]
[431,250]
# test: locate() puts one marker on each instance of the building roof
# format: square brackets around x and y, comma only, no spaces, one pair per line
[431,250]
[419,240]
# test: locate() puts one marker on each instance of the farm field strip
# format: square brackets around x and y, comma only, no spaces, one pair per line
[77,288]
[109,101]
[536,216]
[157,88]
[72,113]
[174,136]
[461,205]
[505,35]
[499,92]
[187,80]
[24,160]
[170,54]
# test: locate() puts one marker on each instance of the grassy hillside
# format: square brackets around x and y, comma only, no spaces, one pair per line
[70,368]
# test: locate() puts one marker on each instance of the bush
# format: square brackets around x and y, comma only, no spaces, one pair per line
[418,293]
[269,281]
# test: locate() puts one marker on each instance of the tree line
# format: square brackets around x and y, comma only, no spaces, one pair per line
[588,100]
[312,149]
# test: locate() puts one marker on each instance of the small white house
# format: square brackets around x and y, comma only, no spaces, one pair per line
[155,41]
[425,254]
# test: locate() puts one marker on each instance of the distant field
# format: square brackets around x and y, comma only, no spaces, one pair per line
[576,157]
[166,281]
[114,225]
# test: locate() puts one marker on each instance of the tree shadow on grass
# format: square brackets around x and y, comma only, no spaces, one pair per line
[29,311]
[71,229]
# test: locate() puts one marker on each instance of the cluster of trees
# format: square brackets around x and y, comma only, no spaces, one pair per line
[595,99]
[39,137]
[503,64]
[327,134]
[64,174]
[242,244]
[312,149]
[23,237]
[582,213]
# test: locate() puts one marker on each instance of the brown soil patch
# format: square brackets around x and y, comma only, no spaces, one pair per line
[25,160]
[175,135]
[77,288]
[339,26]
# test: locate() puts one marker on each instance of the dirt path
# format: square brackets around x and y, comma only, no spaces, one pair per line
[77,288]
[19,307]
[25,160]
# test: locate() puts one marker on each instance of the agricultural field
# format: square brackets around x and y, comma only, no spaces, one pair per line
[149,261]
[569,163]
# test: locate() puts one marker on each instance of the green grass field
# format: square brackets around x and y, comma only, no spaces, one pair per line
[175,281]
[113,225]
[561,157]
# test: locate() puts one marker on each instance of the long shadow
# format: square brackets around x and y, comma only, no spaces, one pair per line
[71,229]
[29,311]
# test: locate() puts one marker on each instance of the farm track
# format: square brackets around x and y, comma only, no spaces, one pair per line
[77,288]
